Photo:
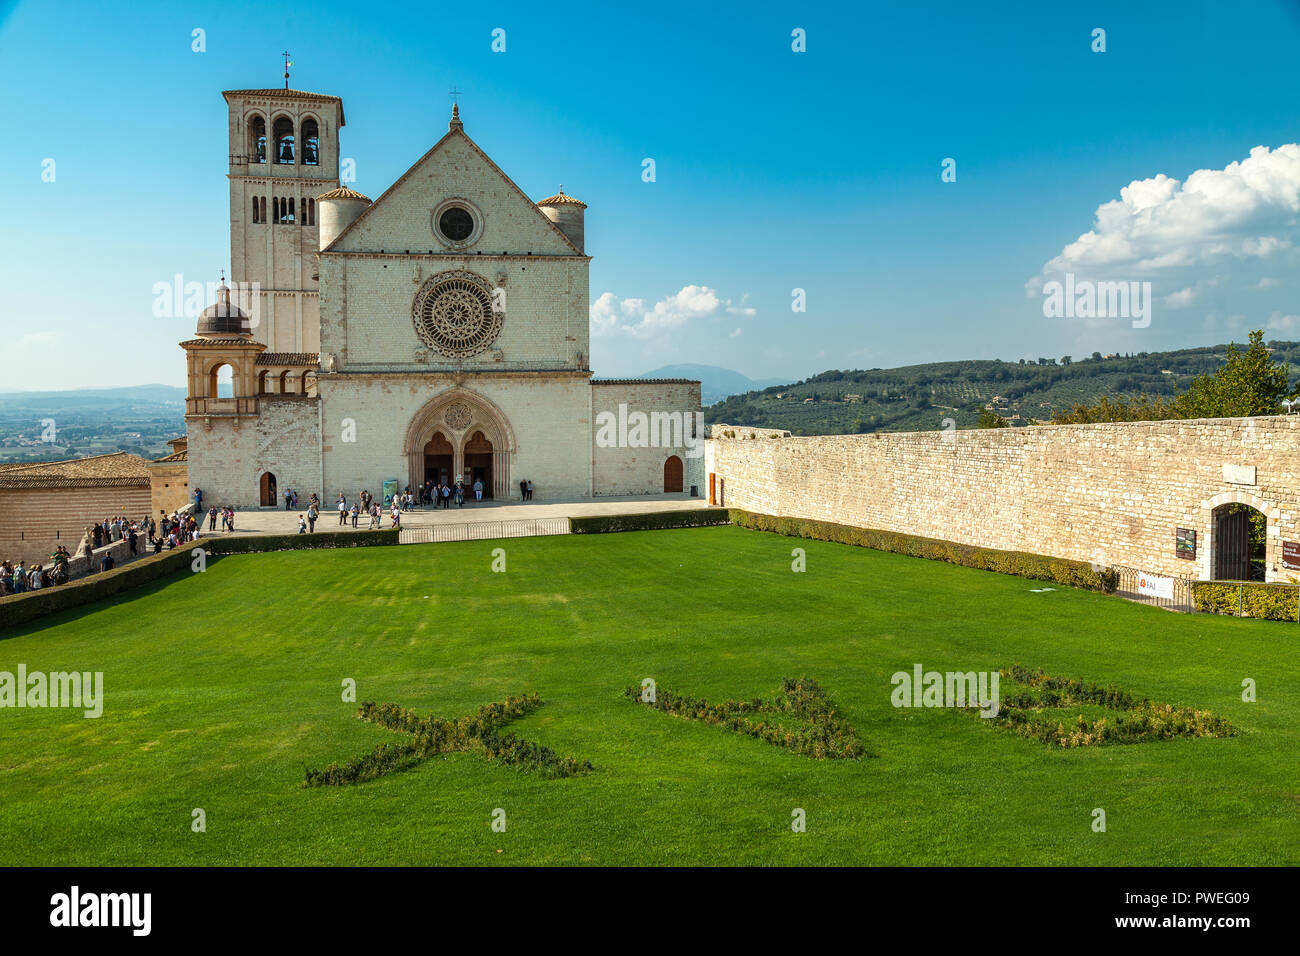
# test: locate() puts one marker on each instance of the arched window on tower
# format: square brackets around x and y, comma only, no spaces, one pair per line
[221,381]
[284,140]
[290,219]
[257,140]
[263,205]
[310,143]
[257,210]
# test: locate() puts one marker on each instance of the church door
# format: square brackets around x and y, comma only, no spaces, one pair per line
[268,490]
[478,464]
[673,474]
[438,460]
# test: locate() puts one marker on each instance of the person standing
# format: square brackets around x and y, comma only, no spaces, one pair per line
[478,489]
[355,513]
[530,491]
[343,510]
[312,515]
[212,519]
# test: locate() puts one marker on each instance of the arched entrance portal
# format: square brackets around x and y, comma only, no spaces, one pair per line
[266,493]
[439,460]
[478,463]
[673,474]
[478,438]
[1240,542]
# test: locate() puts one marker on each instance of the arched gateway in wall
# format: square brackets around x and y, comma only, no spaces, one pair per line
[481,441]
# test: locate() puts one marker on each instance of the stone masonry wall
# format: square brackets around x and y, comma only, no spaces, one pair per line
[1108,493]
[34,520]
[626,470]
[228,462]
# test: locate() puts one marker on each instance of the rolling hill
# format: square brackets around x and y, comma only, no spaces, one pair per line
[920,397]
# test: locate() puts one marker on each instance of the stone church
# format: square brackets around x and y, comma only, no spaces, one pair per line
[438,332]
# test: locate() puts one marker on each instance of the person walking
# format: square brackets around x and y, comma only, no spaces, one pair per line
[355,513]
[312,515]
[302,525]
[478,489]
[460,495]
[288,496]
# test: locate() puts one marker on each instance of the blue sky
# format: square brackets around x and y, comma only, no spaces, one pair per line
[776,170]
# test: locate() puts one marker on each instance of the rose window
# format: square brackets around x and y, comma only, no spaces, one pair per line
[453,314]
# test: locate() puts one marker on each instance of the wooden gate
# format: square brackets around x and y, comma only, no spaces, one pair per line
[1231,544]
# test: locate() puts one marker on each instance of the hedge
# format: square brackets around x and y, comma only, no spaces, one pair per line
[1076,574]
[1268,602]
[19,609]
[651,521]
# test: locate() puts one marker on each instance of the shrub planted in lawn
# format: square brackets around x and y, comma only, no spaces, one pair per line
[824,734]
[479,732]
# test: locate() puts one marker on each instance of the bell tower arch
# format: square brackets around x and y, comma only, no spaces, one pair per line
[284,153]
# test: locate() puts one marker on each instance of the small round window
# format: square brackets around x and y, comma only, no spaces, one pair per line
[456,223]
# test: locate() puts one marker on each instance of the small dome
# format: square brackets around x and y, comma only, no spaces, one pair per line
[223,317]
[560,199]
[343,193]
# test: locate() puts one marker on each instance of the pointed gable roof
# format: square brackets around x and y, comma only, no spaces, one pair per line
[455,132]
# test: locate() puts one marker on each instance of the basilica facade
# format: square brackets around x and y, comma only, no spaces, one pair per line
[438,333]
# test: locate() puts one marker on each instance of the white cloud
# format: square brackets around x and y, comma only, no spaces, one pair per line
[1277,322]
[1181,298]
[735,333]
[611,315]
[1248,211]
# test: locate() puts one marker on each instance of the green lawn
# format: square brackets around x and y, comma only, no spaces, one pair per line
[222,688]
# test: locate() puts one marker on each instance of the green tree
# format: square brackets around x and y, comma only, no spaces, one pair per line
[990,419]
[1249,383]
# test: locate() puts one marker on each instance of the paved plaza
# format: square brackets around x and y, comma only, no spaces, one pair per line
[279,521]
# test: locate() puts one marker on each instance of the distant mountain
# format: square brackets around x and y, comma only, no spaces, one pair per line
[128,393]
[715,383]
[923,397]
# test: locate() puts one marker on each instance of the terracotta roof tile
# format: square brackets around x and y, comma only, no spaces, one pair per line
[289,358]
[342,193]
[561,199]
[119,469]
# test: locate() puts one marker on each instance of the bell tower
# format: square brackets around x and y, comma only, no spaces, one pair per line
[284,152]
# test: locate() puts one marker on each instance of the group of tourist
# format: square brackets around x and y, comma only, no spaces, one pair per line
[19,579]
[438,494]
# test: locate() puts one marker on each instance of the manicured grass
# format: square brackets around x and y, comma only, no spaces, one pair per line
[223,687]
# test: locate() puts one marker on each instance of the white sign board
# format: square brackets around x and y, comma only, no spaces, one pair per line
[1239,474]
[1153,586]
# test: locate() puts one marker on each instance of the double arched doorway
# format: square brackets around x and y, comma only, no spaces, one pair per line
[474,452]
[460,434]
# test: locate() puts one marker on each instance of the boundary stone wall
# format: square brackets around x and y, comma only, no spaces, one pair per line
[1111,494]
